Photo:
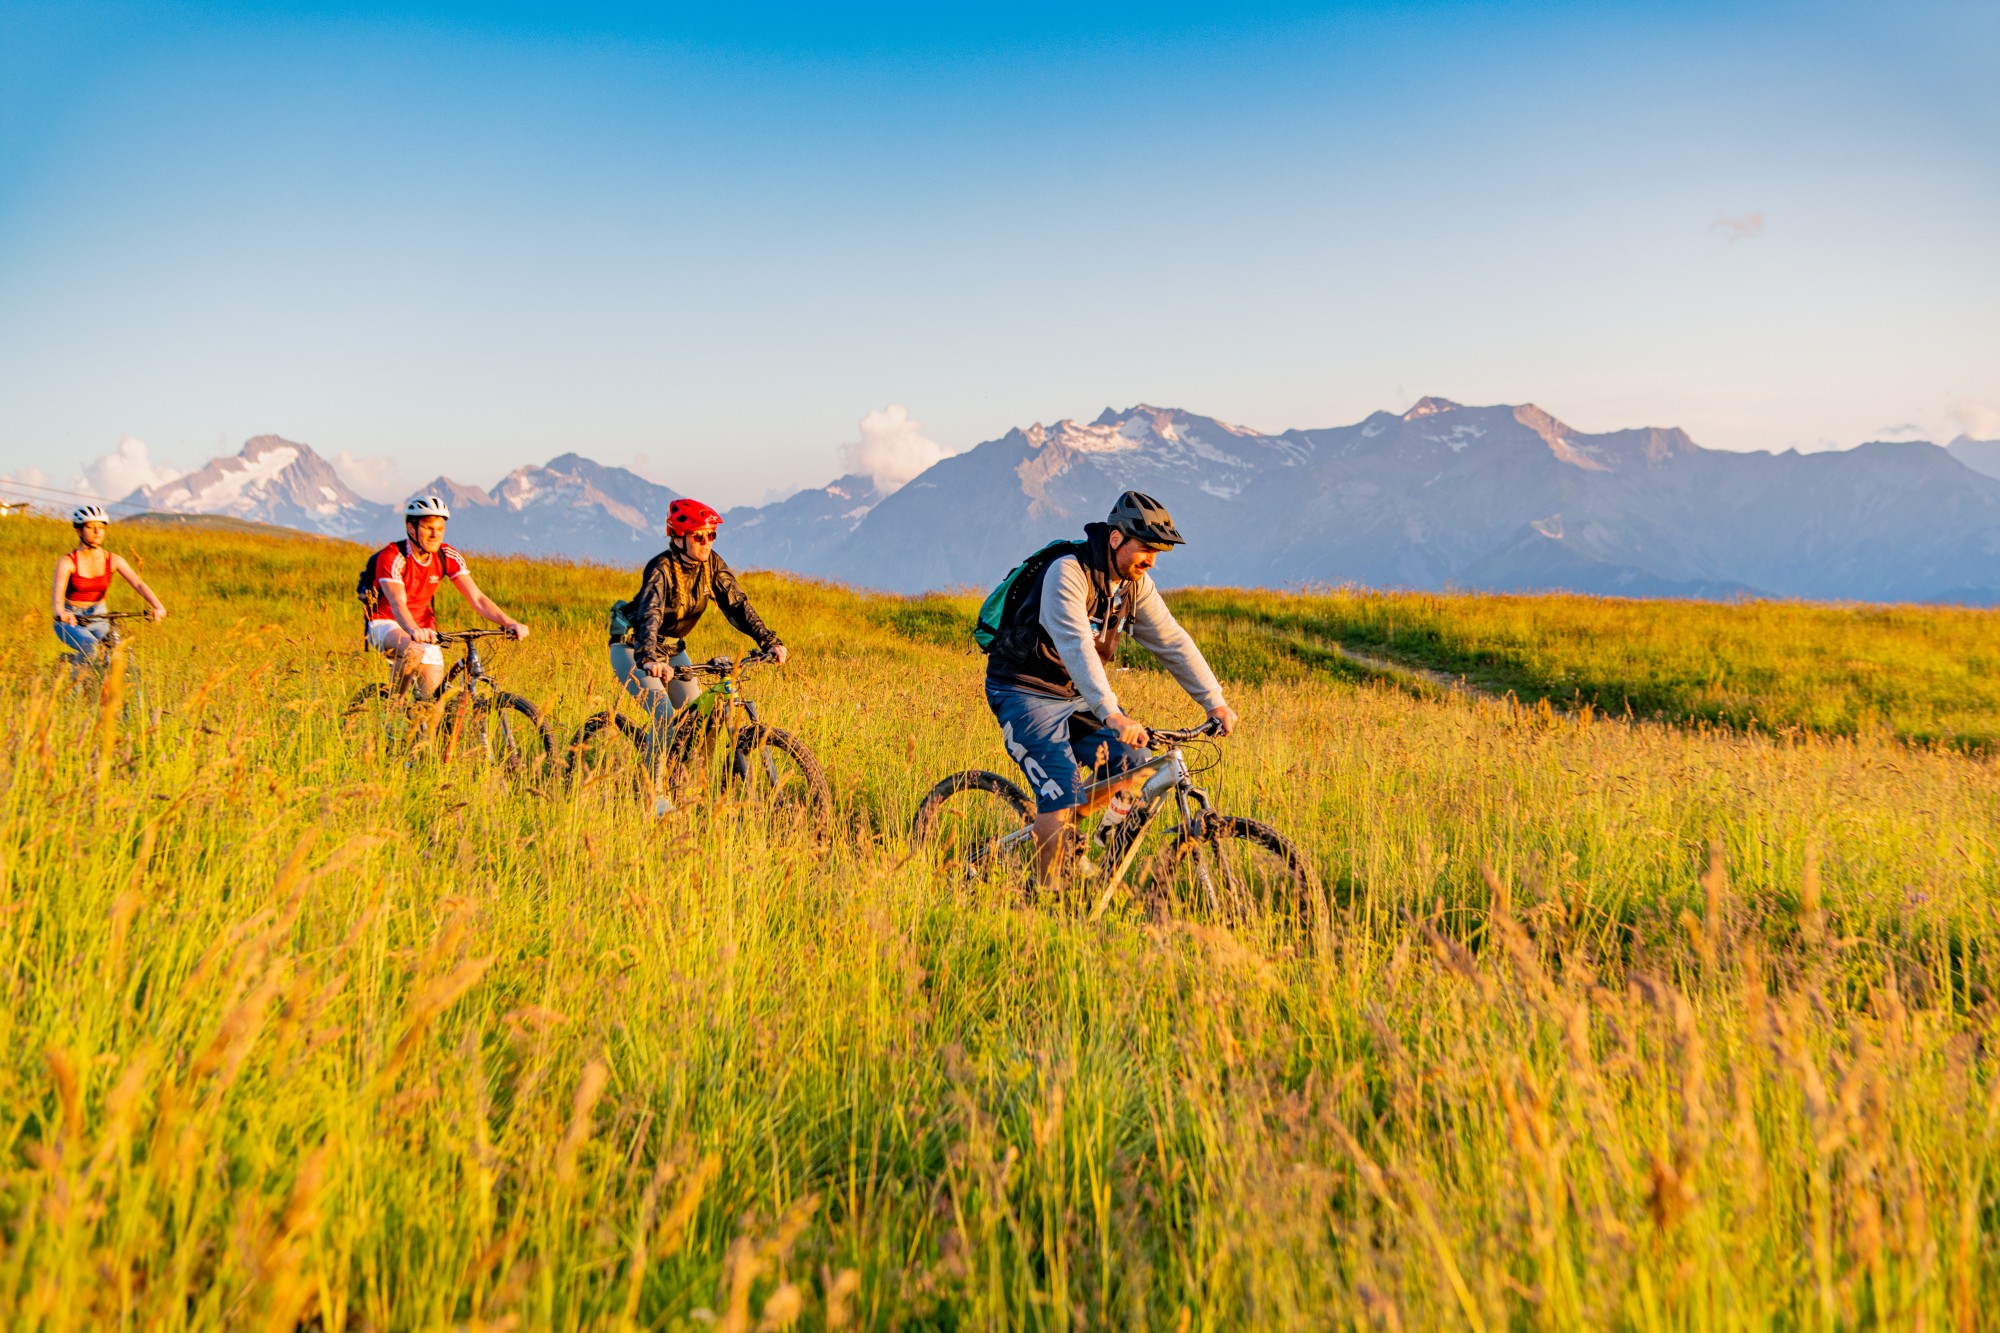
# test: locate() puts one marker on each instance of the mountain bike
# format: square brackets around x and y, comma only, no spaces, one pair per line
[100,656]
[477,722]
[759,762]
[89,675]
[1212,866]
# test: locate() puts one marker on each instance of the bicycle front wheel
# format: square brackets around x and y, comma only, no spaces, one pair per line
[775,769]
[1235,872]
[606,744]
[497,728]
[976,819]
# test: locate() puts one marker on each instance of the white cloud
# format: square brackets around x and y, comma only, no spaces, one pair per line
[1980,420]
[27,476]
[124,470]
[892,448]
[1742,227]
[379,478]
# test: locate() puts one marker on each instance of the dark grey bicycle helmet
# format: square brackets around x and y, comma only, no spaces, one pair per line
[1139,515]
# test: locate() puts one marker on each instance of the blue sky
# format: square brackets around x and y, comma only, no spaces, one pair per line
[460,238]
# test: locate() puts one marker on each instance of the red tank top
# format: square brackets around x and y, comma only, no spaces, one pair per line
[88,591]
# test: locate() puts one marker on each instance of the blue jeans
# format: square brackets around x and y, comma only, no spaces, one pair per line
[82,640]
[660,697]
[1057,742]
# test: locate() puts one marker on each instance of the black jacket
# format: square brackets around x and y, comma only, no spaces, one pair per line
[1023,653]
[673,592]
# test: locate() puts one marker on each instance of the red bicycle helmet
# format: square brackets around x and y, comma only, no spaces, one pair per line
[685,516]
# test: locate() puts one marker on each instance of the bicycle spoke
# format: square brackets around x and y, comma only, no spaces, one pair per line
[1235,872]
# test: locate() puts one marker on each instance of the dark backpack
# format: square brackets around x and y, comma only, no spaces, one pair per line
[1004,602]
[365,590]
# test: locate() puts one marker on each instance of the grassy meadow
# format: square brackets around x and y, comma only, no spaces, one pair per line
[1616,1023]
[1922,673]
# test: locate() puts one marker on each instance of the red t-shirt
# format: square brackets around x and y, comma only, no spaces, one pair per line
[419,577]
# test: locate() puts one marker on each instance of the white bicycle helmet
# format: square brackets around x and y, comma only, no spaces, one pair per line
[426,506]
[89,514]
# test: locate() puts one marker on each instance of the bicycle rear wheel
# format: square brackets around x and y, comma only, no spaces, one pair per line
[497,728]
[970,818]
[775,769]
[1234,872]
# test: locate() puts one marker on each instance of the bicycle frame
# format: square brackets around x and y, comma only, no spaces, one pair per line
[713,711]
[469,666]
[1163,775]
[472,669]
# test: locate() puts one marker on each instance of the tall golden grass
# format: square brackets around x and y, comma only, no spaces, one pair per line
[1618,1024]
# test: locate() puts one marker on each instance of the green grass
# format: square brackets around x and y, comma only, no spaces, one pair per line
[295,1029]
[1923,673]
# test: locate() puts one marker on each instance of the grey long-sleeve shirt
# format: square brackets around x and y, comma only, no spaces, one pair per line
[1066,617]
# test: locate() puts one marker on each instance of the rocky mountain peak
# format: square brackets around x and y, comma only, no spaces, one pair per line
[1430,407]
[270,480]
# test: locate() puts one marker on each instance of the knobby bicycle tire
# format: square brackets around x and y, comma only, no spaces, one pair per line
[530,749]
[925,822]
[363,697]
[1208,858]
[969,815]
[576,753]
[749,766]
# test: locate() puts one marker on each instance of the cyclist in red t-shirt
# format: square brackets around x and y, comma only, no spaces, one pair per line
[407,574]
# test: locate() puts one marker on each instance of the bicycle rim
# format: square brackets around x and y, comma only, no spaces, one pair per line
[499,729]
[1233,872]
[608,746]
[775,770]
[974,820]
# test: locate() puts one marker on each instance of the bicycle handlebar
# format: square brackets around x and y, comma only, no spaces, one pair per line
[721,666]
[1161,738]
[113,615]
[468,635]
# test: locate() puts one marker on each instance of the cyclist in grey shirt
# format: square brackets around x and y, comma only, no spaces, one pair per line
[1045,677]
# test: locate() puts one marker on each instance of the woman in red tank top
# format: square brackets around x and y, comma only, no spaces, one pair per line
[83,577]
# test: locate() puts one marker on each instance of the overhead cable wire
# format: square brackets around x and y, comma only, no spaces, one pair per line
[46,494]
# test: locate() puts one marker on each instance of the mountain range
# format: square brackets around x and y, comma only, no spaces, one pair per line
[1443,495]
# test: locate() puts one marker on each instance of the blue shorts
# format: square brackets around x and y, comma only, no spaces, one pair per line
[1057,742]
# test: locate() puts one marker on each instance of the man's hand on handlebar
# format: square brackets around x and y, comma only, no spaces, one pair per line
[158,614]
[422,635]
[659,669]
[1127,729]
[1225,716]
[776,654]
[515,629]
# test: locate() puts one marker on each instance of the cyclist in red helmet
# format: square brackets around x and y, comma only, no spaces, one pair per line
[649,632]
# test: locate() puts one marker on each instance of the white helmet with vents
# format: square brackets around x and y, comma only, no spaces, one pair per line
[426,506]
[89,514]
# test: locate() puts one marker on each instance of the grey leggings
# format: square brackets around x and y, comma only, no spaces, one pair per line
[660,697]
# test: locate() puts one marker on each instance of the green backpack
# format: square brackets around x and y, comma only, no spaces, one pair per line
[1007,596]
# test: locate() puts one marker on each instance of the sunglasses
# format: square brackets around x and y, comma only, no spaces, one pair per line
[703,537]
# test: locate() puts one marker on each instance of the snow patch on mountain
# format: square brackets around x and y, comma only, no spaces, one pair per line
[272,480]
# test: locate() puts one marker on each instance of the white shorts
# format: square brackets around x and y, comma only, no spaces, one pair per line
[386,636]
